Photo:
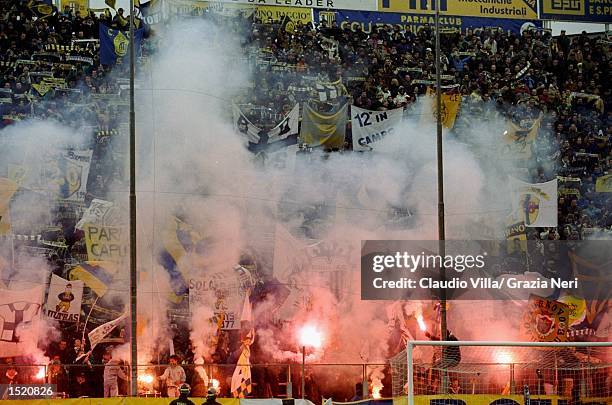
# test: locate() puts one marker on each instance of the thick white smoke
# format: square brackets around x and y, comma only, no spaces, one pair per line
[190,160]
[191,163]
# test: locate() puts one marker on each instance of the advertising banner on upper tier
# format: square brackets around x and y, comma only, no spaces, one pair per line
[154,13]
[577,10]
[369,5]
[416,21]
[516,9]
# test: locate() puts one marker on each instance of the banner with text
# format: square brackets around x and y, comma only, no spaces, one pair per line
[515,9]
[372,126]
[546,320]
[105,243]
[414,22]
[64,299]
[221,291]
[325,4]
[576,10]
[295,14]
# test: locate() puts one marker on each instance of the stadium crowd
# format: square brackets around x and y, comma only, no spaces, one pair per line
[50,69]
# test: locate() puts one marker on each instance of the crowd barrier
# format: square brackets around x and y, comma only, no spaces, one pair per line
[154,401]
[418,400]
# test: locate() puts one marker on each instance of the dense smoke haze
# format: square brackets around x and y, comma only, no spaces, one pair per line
[195,174]
[192,162]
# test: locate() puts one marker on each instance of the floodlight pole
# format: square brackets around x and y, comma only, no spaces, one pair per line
[133,268]
[303,371]
[440,159]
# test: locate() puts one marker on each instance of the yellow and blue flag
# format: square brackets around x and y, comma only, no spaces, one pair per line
[179,239]
[41,9]
[115,44]
[96,275]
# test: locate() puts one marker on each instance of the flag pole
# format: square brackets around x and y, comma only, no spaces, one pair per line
[133,269]
[86,321]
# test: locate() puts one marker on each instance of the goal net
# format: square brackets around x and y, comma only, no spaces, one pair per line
[522,372]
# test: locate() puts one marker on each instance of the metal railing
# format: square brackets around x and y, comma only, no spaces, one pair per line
[273,380]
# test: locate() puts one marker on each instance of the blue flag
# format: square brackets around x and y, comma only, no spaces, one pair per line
[115,44]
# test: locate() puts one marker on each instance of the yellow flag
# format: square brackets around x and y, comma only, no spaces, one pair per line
[111,3]
[450,107]
[77,5]
[517,141]
[604,184]
[42,88]
[4,266]
[324,130]
[7,189]
[515,233]
[451,103]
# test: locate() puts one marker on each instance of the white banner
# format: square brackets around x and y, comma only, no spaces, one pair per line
[222,291]
[96,335]
[370,127]
[363,5]
[286,128]
[18,309]
[536,203]
[96,213]
[64,299]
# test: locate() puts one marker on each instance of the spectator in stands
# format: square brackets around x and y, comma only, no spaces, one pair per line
[112,372]
[10,376]
[173,376]
[56,375]
[80,387]
[455,388]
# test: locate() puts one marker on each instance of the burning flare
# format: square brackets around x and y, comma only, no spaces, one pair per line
[377,387]
[504,357]
[310,336]
[145,378]
[421,322]
[215,384]
[41,373]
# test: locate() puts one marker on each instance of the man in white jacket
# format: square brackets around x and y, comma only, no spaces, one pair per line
[112,371]
[174,376]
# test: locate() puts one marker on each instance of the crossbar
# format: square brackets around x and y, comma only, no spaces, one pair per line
[507,343]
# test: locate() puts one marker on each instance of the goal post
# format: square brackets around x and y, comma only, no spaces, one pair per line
[525,372]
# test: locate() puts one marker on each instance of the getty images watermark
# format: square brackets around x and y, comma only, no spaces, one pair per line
[473,269]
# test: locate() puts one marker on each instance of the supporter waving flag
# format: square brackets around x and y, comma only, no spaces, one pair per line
[241,379]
